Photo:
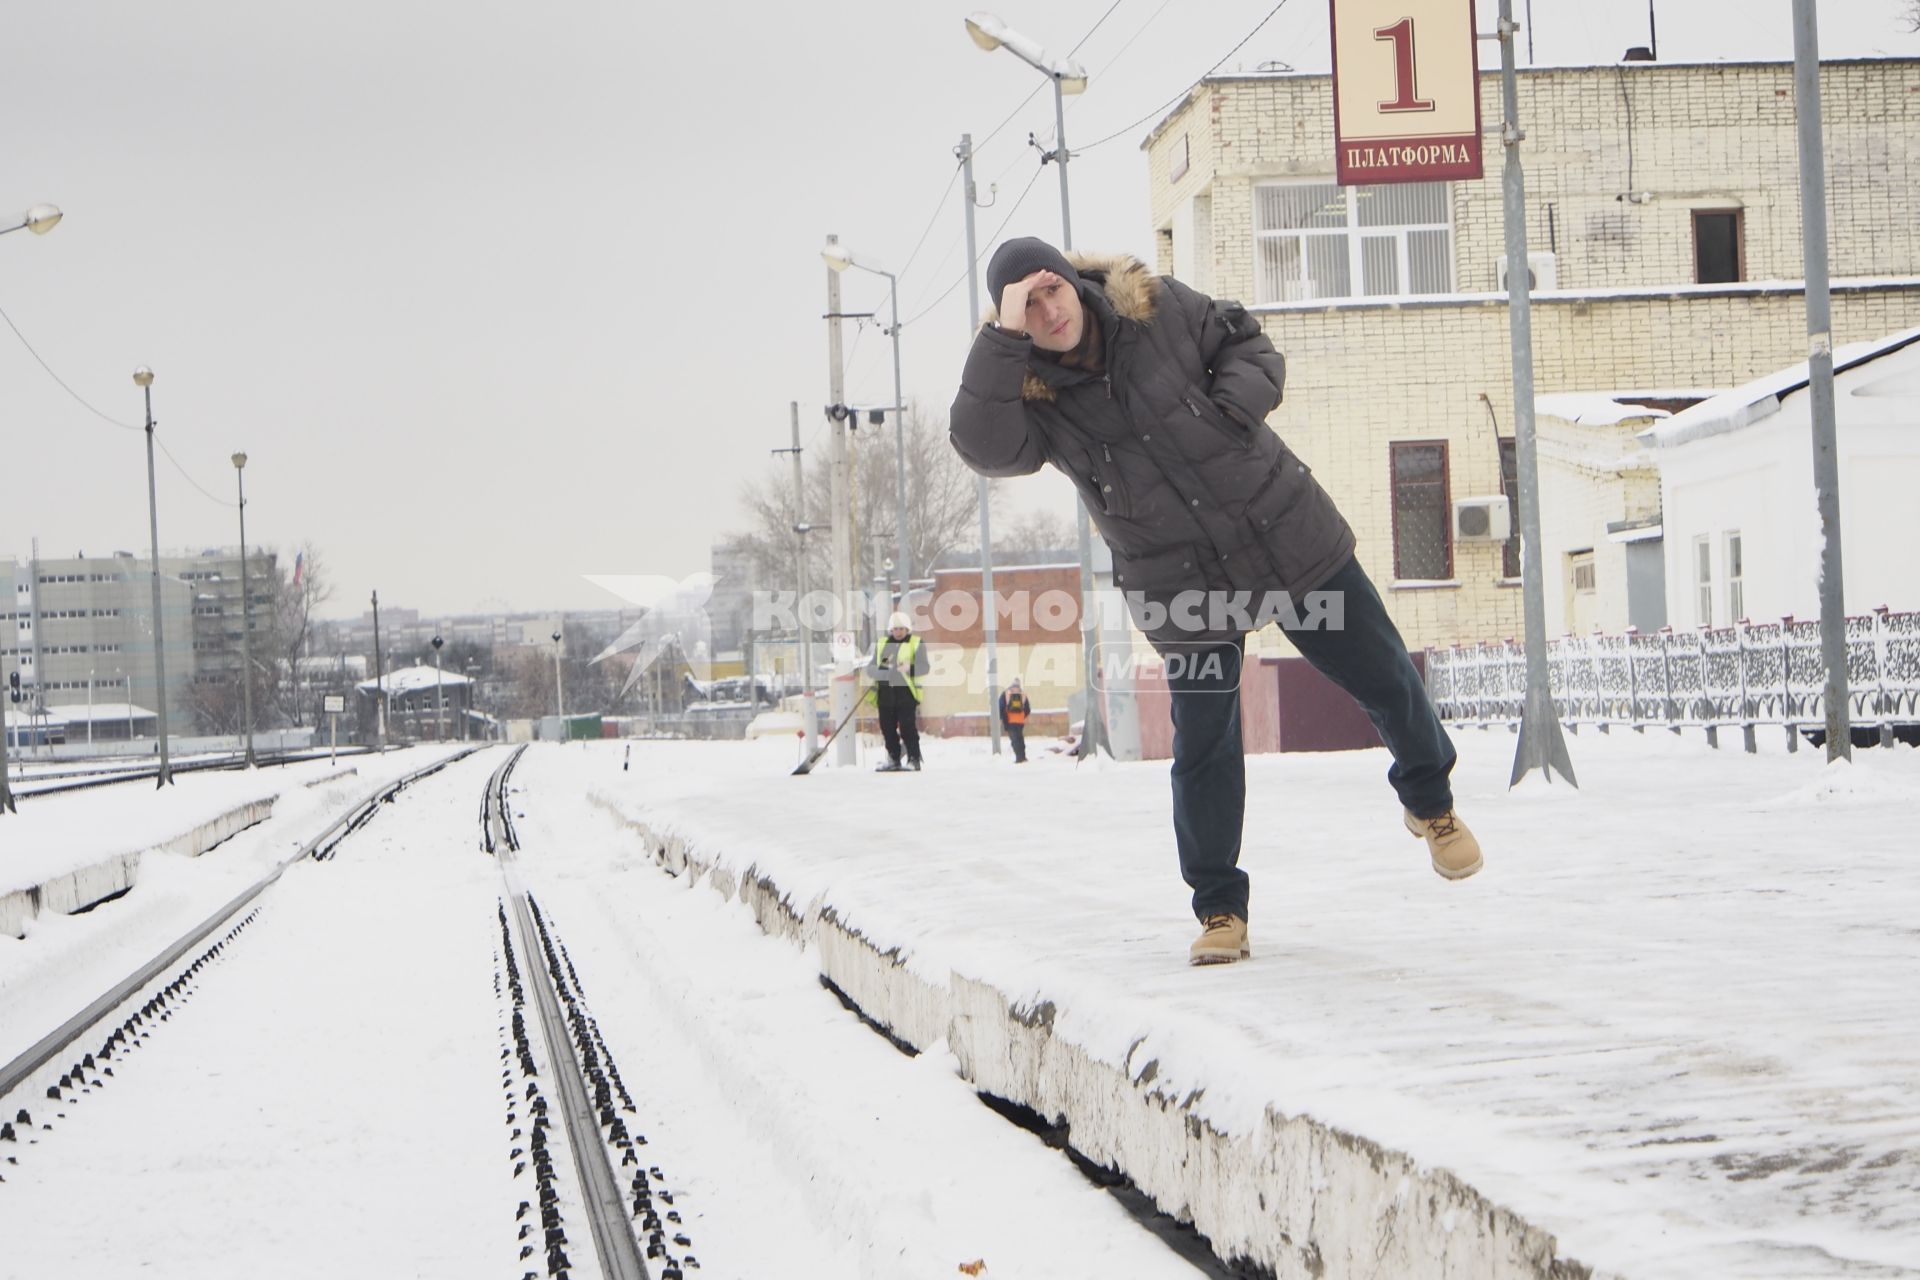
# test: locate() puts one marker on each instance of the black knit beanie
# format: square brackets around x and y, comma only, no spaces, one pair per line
[1018,259]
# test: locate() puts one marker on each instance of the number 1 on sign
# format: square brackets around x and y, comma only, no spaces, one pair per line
[1404,91]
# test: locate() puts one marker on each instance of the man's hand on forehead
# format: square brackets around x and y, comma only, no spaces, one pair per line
[1013,301]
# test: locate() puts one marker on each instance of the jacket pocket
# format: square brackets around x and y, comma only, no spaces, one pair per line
[1289,482]
[1104,484]
[1201,406]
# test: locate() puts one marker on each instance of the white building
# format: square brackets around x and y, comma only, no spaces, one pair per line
[1741,529]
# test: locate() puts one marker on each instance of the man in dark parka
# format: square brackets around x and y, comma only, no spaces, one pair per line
[1153,399]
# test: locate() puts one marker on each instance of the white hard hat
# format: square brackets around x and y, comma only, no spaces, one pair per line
[899,621]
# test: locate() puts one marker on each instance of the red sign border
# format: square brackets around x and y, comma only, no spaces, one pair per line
[1474,170]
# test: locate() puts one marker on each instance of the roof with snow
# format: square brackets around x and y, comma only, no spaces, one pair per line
[409,679]
[1761,398]
[79,712]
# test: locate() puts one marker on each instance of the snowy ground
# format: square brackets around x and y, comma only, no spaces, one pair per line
[1673,1022]
[326,1100]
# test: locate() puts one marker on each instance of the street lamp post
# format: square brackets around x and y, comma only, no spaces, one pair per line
[439,695]
[40,219]
[246,609]
[473,684]
[90,709]
[839,259]
[143,378]
[559,698]
[989,33]
[989,622]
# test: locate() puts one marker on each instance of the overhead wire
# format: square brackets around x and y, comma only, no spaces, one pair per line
[1188,88]
[975,264]
[110,421]
[108,418]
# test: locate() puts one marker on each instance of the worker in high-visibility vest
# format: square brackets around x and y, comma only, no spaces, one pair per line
[898,663]
[1014,710]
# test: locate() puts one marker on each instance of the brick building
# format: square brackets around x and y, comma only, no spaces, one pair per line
[1664,226]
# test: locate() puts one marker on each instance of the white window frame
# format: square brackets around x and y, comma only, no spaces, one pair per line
[1355,235]
[1733,561]
[1703,579]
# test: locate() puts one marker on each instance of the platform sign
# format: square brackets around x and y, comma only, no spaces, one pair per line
[333,704]
[1406,94]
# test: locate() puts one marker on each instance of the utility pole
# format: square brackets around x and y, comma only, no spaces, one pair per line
[846,680]
[1826,462]
[989,623]
[6,787]
[800,531]
[143,378]
[1093,733]
[1541,745]
[246,611]
[379,680]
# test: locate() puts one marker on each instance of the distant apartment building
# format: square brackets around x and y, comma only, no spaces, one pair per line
[81,629]
[1663,220]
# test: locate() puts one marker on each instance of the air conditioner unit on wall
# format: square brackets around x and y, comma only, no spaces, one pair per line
[1482,520]
[1542,272]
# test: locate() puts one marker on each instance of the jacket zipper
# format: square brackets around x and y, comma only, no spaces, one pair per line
[1243,439]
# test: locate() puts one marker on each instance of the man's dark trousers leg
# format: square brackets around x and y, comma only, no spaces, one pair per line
[1017,734]
[909,711]
[888,699]
[1209,775]
[1367,658]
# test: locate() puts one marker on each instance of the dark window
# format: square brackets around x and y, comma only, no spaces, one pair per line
[1422,548]
[1716,246]
[1510,485]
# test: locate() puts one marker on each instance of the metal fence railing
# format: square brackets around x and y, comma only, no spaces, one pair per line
[1745,675]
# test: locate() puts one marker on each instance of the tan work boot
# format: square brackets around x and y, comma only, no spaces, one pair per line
[1456,854]
[1224,941]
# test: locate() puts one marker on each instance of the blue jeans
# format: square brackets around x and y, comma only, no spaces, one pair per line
[1368,659]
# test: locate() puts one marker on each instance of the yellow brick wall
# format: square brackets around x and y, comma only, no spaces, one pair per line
[1363,375]
[1687,137]
[1360,376]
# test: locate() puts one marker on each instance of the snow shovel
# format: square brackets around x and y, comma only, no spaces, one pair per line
[813,757]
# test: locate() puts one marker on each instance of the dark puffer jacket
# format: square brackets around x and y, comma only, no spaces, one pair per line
[1190,488]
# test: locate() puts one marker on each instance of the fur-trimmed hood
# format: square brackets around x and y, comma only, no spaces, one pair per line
[1129,287]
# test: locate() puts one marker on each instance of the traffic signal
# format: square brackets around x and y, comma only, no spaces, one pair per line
[13,685]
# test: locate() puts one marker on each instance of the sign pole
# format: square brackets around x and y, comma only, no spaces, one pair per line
[1541,745]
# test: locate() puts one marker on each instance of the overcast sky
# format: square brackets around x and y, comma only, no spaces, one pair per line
[497,295]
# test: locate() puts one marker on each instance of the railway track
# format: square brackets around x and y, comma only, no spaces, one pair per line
[26,788]
[630,1226]
[154,985]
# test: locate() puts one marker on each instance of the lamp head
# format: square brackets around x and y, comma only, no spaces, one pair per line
[143,377]
[837,257]
[43,218]
[985,29]
[437,642]
[239,461]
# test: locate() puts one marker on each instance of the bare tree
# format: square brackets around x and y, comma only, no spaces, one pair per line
[1035,537]
[216,705]
[942,505]
[1912,16]
[301,585]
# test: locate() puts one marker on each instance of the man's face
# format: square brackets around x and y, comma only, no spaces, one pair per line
[1055,318]
[898,633]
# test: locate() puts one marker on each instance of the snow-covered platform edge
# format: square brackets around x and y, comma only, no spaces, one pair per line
[1296,1196]
[83,887]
